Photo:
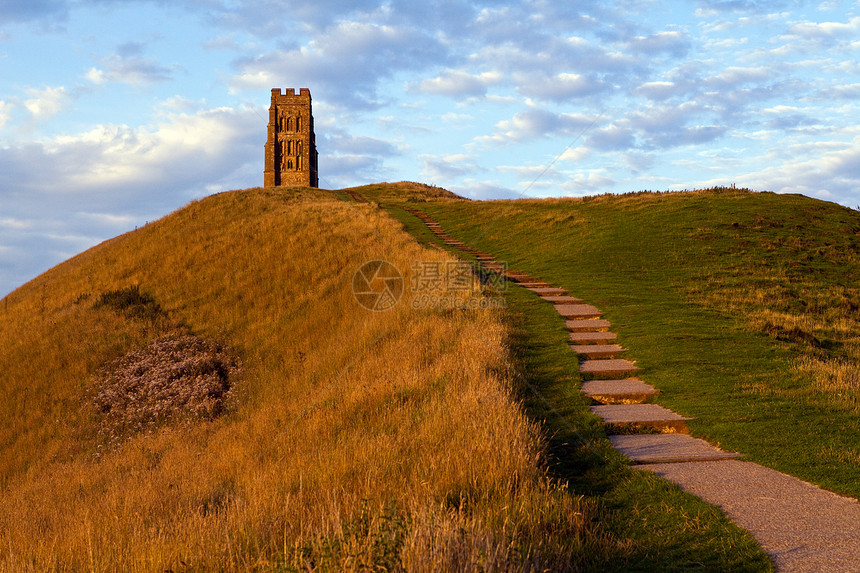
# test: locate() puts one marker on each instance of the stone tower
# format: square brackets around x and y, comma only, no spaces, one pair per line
[291,151]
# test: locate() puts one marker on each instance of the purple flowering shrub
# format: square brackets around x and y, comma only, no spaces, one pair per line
[174,378]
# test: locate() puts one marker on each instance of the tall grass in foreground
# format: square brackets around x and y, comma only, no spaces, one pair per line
[360,440]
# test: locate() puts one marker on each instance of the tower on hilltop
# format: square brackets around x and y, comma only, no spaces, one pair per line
[291,151]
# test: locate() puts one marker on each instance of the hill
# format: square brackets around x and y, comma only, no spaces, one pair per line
[408,191]
[742,307]
[208,393]
[341,441]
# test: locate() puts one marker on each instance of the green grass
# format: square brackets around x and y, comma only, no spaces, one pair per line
[702,289]
[662,528]
[666,529]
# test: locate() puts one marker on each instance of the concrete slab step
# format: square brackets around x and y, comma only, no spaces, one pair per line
[593,351]
[623,417]
[559,299]
[541,291]
[597,325]
[534,284]
[612,368]
[592,337]
[624,391]
[577,311]
[520,277]
[668,448]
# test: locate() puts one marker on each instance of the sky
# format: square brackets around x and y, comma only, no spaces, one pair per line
[116,112]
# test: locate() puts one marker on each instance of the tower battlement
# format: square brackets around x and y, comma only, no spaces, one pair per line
[291,152]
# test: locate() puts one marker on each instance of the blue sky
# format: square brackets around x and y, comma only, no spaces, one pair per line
[113,113]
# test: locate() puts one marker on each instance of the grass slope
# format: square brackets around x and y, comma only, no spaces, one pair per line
[742,308]
[355,439]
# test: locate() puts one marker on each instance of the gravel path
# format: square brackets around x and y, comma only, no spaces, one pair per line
[803,527]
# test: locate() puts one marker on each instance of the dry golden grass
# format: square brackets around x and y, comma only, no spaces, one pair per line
[361,439]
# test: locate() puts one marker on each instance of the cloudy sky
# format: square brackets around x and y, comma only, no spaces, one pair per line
[116,112]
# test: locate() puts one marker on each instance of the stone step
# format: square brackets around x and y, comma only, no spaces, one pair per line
[592,337]
[668,448]
[625,391]
[534,284]
[518,277]
[612,368]
[592,351]
[556,299]
[598,325]
[541,291]
[623,417]
[577,311]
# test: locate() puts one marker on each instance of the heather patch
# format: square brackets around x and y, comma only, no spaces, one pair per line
[174,378]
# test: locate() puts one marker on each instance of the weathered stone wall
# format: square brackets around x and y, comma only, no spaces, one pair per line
[291,152]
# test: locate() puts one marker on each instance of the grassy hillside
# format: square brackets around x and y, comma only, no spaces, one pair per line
[342,445]
[206,393]
[742,307]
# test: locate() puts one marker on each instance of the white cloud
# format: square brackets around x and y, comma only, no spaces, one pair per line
[110,219]
[18,224]
[96,76]
[536,123]
[831,171]
[617,136]
[849,91]
[560,87]
[474,189]
[732,77]
[457,119]
[531,173]
[458,83]
[590,180]
[575,154]
[46,103]
[347,62]
[656,90]
[820,30]
[113,165]
[5,113]
[129,66]
[674,43]
[448,167]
